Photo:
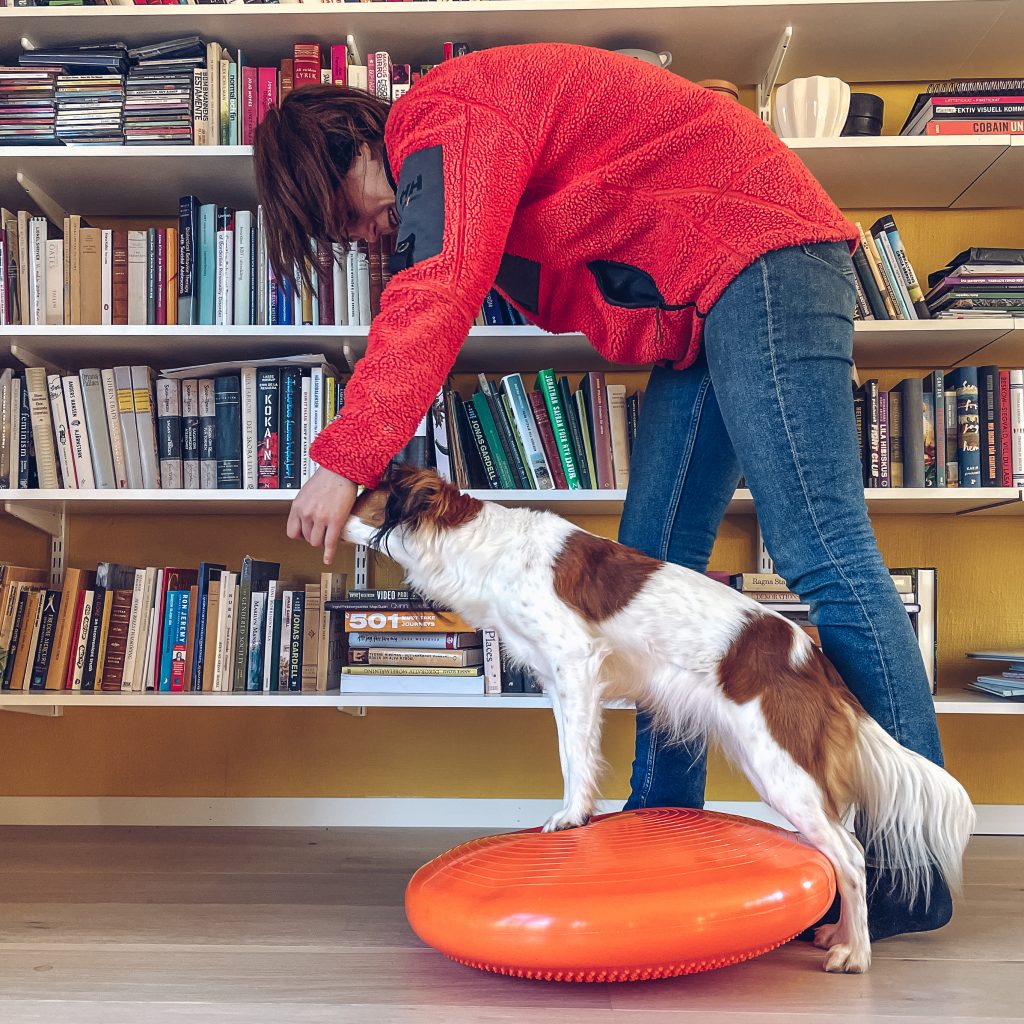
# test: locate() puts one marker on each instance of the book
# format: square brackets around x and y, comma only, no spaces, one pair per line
[964,381]
[398,656]
[405,622]
[417,641]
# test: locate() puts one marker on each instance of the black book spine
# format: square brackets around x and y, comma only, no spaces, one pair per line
[988,415]
[26,450]
[44,648]
[268,417]
[869,284]
[295,647]
[92,647]
[228,397]
[288,422]
[480,446]
[188,232]
[151,276]
[576,433]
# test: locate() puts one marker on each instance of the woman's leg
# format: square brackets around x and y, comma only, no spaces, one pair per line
[682,476]
[779,347]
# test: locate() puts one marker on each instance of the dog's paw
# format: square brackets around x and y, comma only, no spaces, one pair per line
[564,820]
[843,959]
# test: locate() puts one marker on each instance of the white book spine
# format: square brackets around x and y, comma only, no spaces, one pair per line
[304,430]
[106,276]
[78,433]
[250,462]
[114,427]
[201,106]
[54,282]
[230,624]
[82,641]
[492,662]
[225,277]
[316,407]
[1017,426]
[268,636]
[284,649]
[352,284]
[60,429]
[134,619]
[37,271]
[620,444]
[243,272]
[365,310]
[42,427]
[146,627]
[129,431]
[338,282]
[137,278]
[99,436]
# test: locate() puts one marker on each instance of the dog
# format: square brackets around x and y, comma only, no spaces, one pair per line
[595,620]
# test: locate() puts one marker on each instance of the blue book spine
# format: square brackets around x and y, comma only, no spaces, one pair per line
[172,609]
[285,311]
[288,424]
[968,424]
[206,572]
[188,278]
[179,641]
[207,263]
[492,310]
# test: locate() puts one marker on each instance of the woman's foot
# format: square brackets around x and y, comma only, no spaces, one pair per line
[888,915]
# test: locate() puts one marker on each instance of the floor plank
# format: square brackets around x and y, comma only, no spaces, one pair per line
[306,926]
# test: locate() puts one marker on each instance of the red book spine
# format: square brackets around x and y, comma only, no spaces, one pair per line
[267,85]
[161,276]
[1005,432]
[339,65]
[119,282]
[305,64]
[249,104]
[993,126]
[287,79]
[449,51]
[547,439]
[325,284]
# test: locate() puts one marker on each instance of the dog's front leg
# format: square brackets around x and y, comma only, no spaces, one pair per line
[576,700]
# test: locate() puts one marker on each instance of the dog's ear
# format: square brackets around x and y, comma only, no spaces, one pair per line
[419,497]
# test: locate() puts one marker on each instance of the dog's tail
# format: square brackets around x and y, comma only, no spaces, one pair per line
[913,813]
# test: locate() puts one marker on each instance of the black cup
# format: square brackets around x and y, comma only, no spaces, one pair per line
[865,117]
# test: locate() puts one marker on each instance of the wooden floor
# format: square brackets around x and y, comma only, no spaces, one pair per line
[305,926]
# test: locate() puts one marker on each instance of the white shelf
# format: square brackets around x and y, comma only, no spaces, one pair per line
[954,702]
[919,344]
[857,40]
[984,501]
[146,181]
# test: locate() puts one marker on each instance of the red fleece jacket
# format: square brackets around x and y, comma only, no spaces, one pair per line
[605,195]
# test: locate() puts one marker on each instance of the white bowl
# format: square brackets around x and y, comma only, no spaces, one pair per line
[811,108]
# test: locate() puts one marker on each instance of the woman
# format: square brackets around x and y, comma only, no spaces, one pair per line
[670,226]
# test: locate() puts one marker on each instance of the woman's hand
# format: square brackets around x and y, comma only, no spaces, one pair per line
[320,511]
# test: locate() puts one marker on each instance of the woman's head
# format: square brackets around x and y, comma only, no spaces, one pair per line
[320,174]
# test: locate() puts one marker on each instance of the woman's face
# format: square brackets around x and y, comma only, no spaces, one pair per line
[370,198]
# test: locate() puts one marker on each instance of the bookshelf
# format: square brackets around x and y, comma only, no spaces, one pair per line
[891,171]
[857,40]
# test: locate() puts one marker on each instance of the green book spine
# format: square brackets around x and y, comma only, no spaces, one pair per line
[506,406]
[241,655]
[588,449]
[572,421]
[548,387]
[493,439]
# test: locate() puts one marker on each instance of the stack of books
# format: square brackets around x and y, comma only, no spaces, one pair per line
[989,106]
[90,110]
[545,437]
[955,428]
[169,630]
[28,113]
[219,426]
[916,587]
[1009,684]
[978,283]
[399,643]
[887,287]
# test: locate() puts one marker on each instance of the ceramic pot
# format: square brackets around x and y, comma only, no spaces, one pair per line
[659,60]
[865,117]
[811,108]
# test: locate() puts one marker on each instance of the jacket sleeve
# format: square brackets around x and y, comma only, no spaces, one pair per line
[462,170]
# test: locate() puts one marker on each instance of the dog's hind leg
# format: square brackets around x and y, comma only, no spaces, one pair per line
[575,696]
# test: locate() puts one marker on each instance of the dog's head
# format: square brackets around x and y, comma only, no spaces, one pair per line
[409,498]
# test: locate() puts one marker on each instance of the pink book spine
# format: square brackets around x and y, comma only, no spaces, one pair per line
[249,104]
[267,100]
[339,65]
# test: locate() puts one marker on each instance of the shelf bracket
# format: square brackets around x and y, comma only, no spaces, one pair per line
[354,712]
[42,199]
[764,560]
[992,504]
[767,84]
[361,573]
[39,710]
[53,523]
[27,357]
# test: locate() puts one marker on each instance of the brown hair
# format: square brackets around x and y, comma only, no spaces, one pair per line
[302,152]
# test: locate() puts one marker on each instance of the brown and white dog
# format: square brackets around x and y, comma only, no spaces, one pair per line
[595,620]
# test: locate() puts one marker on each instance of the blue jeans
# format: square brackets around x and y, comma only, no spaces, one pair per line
[770,397]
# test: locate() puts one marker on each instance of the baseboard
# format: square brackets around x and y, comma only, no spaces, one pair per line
[993,819]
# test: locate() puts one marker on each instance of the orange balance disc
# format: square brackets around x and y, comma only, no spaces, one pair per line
[637,895]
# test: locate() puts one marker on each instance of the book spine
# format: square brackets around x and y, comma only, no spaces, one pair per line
[297,624]
[526,427]
[207,435]
[42,431]
[190,478]
[904,266]
[579,452]
[976,126]
[242,268]
[268,400]
[492,663]
[48,615]
[117,445]
[119,279]
[228,399]
[884,478]
[988,419]
[62,441]
[549,389]
[968,433]
[291,400]
[479,438]
[547,438]
[78,433]
[249,417]
[1005,430]
[225,256]
[145,424]
[620,440]
[168,424]
[129,430]
[100,450]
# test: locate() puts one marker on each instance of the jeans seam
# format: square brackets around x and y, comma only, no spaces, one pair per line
[684,468]
[810,507]
[652,756]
